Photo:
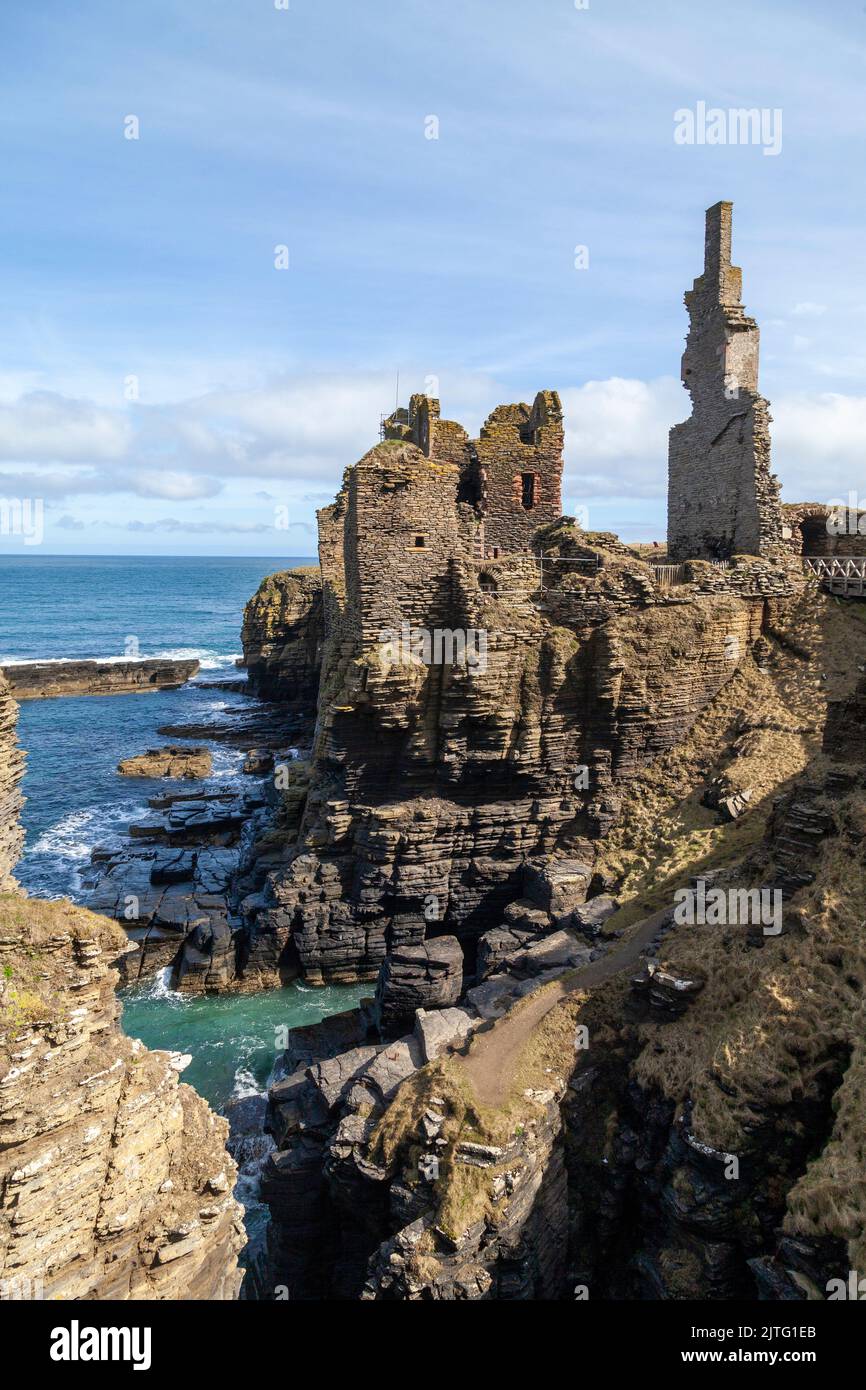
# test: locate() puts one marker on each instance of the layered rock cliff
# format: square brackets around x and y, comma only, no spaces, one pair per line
[433,782]
[114,1177]
[11,769]
[282,636]
[645,1108]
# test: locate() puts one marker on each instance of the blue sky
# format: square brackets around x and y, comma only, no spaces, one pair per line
[166,389]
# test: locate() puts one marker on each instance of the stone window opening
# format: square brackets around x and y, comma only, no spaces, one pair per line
[528,491]
[419,541]
[487,584]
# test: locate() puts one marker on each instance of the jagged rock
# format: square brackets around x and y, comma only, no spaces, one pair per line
[525,916]
[557,885]
[728,801]
[561,950]
[591,916]
[391,1066]
[176,867]
[333,1077]
[495,947]
[174,760]
[667,993]
[258,762]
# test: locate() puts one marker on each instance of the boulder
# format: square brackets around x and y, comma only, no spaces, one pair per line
[440,1029]
[426,976]
[174,760]
[556,885]
[258,762]
[591,916]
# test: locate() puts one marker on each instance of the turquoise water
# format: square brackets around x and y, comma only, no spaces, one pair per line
[232,1039]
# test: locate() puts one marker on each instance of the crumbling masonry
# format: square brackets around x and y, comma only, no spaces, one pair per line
[722,498]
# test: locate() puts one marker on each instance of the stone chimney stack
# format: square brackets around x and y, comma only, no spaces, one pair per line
[722,497]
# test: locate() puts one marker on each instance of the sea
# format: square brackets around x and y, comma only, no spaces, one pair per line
[75,607]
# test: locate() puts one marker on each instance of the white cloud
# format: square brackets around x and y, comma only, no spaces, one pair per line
[44,427]
[173,524]
[175,487]
[616,435]
[304,430]
[818,445]
[808,310]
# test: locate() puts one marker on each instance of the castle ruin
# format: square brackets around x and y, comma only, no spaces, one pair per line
[722,498]
[511,475]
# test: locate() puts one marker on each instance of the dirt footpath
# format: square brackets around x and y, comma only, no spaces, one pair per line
[493,1054]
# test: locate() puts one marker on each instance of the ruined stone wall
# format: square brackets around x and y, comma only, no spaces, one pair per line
[407,532]
[423,426]
[519,472]
[11,769]
[511,474]
[722,498]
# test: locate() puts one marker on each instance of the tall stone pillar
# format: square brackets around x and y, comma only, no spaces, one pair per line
[722,498]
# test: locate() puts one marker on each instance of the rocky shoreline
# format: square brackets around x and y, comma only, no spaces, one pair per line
[34,680]
[186,882]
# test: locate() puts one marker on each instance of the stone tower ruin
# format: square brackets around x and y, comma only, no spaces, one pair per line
[722,498]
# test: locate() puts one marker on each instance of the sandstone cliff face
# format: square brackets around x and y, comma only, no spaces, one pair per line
[432,784]
[282,635]
[114,1178]
[11,769]
[685,1121]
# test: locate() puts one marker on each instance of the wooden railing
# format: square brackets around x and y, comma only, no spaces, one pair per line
[845,575]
